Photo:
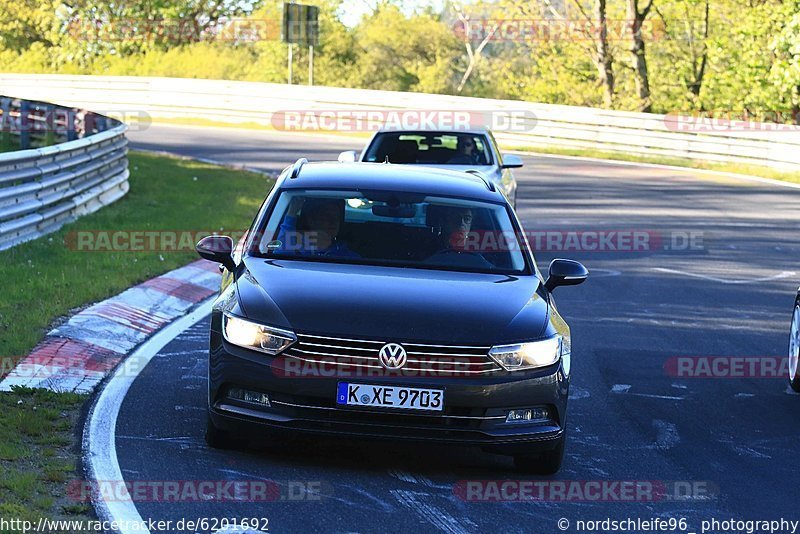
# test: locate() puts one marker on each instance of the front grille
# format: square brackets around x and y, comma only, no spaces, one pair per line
[436,360]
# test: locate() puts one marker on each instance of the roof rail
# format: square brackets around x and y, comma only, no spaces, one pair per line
[479,174]
[298,165]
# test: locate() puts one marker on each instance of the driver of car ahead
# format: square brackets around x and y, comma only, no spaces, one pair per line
[315,230]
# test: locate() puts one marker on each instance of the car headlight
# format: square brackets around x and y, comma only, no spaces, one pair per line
[256,336]
[530,355]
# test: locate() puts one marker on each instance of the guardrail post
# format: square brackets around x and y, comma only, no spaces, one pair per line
[5,120]
[50,125]
[24,125]
[88,123]
[71,132]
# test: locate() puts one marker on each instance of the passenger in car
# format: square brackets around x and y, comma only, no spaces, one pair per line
[315,231]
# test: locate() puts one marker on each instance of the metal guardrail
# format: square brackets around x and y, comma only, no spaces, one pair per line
[25,124]
[41,189]
[550,125]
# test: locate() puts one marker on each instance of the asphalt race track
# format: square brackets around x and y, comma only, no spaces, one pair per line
[735,440]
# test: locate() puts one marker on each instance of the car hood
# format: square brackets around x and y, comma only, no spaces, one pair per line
[387,303]
[488,170]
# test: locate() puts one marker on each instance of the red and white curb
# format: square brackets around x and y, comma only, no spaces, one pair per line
[78,355]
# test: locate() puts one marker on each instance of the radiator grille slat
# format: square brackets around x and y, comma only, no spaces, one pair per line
[439,359]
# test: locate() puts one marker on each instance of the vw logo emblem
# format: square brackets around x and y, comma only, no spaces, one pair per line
[392,356]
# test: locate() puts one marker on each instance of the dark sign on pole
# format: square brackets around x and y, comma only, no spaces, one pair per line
[300,24]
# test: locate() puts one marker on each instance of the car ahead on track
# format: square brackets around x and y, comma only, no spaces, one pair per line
[457,150]
[394,302]
[794,346]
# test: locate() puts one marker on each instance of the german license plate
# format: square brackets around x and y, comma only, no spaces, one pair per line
[382,396]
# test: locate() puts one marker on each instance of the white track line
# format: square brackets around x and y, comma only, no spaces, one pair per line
[99,436]
[782,274]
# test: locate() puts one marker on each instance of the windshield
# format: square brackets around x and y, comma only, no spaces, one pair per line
[391,228]
[430,148]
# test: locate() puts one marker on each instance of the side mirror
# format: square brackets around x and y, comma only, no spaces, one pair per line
[348,156]
[510,161]
[217,248]
[565,273]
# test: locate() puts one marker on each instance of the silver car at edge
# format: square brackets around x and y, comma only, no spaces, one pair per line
[439,149]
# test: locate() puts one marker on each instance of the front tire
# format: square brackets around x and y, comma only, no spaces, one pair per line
[794,348]
[543,463]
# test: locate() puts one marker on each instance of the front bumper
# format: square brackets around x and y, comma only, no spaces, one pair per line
[474,413]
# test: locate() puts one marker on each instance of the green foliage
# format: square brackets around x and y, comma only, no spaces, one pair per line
[400,53]
[25,22]
[785,71]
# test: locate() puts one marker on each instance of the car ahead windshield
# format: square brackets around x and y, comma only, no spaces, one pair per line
[430,148]
[391,229]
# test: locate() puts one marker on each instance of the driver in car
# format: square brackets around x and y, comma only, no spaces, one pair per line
[467,152]
[315,231]
[455,233]
[456,226]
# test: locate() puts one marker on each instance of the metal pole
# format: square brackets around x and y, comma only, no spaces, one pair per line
[71,135]
[50,125]
[5,121]
[311,64]
[24,125]
[290,63]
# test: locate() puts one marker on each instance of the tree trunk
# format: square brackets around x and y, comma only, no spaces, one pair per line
[473,55]
[636,18]
[603,59]
[698,72]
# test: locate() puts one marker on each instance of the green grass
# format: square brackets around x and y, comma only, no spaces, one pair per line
[50,278]
[38,440]
[39,455]
[8,143]
[750,170]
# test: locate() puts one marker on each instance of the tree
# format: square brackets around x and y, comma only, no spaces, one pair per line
[601,54]
[406,53]
[25,22]
[636,18]
[785,72]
